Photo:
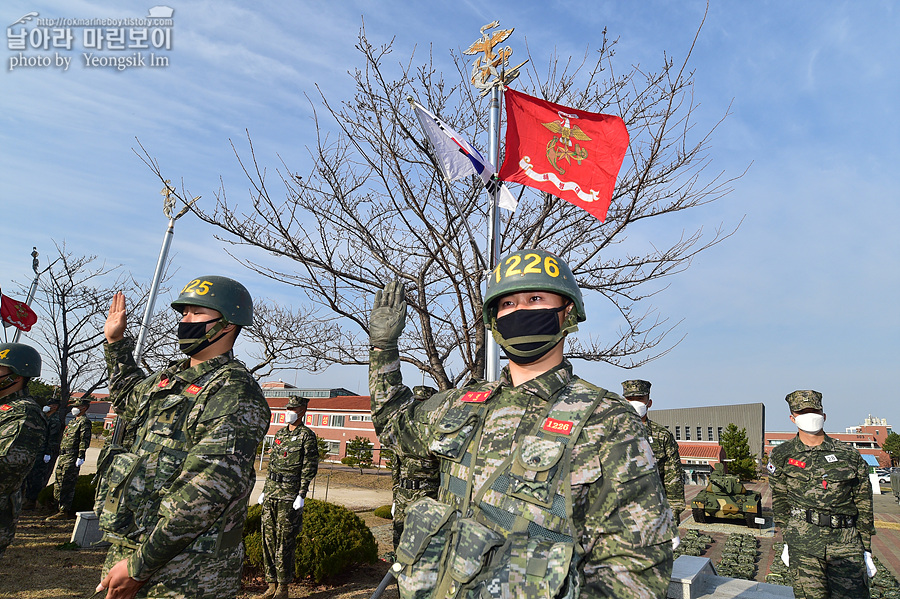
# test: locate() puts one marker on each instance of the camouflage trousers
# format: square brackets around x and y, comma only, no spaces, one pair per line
[10,506]
[841,574]
[37,477]
[188,574]
[66,477]
[281,524]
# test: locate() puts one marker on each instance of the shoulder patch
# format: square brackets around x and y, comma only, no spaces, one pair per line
[5,407]
[770,467]
[475,396]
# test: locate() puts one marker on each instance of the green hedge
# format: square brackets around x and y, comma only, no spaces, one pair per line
[333,539]
[384,512]
[84,494]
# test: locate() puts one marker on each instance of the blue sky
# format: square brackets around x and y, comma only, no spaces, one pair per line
[803,296]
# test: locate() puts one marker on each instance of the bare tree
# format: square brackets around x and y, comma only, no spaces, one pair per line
[373,207]
[73,301]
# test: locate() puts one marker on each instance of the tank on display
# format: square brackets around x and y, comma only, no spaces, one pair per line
[726,497]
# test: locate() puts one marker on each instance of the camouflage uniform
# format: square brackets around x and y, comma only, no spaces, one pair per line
[22,433]
[665,449]
[75,441]
[546,488]
[822,500]
[668,462]
[40,473]
[294,461]
[413,478]
[177,500]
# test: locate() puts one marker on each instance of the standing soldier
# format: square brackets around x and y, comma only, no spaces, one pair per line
[46,459]
[177,499]
[293,463]
[22,431]
[413,478]
[665,447]
[548,484]
[822,501]
[75,441]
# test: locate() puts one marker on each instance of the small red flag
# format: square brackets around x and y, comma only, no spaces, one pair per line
[572,154]
[17,313]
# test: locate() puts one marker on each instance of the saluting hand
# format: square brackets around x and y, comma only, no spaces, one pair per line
[114,329]
[388,317]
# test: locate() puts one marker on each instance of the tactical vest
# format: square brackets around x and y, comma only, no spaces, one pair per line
[514,536]
[136,480]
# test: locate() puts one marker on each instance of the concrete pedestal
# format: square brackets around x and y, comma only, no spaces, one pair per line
[87,530]
[695,578]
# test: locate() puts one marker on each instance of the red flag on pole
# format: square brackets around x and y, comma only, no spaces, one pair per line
[17,313]
[572,154]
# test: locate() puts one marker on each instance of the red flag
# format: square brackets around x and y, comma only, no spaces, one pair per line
[570,153]
[17,313]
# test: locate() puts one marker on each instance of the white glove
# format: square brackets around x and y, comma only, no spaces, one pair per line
[676,541]
[870,564]
[785,557]
[79,462]
[261,497]
[46,459]
[393,507]
[298,502]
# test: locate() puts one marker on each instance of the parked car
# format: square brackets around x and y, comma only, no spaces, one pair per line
[884,479]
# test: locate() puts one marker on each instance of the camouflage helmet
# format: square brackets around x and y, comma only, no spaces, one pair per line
[297,402]
[531,270]
[22,359]
[226,296]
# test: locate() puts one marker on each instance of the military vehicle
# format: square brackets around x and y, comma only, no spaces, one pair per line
[726,497]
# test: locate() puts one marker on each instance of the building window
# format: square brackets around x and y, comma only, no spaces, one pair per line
[336,421]
[334,447]
[687,433]
[700,434]
[678,433]
[709,436]
[360,419]
[719,434]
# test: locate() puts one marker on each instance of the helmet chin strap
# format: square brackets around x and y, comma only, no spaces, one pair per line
[195,343]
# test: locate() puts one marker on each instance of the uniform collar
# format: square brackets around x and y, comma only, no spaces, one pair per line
[184,372]
[546,385]
[826,445]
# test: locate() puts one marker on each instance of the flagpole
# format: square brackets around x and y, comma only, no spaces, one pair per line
[32,290]
[492,354]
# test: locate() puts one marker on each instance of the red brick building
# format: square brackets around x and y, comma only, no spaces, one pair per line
[866,444]
[698,458]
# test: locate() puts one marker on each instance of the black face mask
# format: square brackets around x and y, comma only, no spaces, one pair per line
[8,381]
[529,332]
[192,336]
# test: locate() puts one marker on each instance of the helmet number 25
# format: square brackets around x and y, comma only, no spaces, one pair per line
[197,286]
[533,265]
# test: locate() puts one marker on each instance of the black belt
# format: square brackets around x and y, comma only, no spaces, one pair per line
[409,483]
[283,478]
[825,520]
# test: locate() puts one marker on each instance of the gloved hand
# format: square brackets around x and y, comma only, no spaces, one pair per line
[676,541]
[388,317]
[785,557]
[79,462]
[46,459]
[262,496]
[298,502]
[870,565]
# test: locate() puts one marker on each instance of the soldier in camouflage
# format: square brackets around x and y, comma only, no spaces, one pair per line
[413,478]
[665,447]
[548,483]
[46,458]
[72,449]
[22,431]
[293,463]
[822,501]
[175,502]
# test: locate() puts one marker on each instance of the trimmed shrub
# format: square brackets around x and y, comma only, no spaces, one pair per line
[332,539]
[84,494]
[384,512]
